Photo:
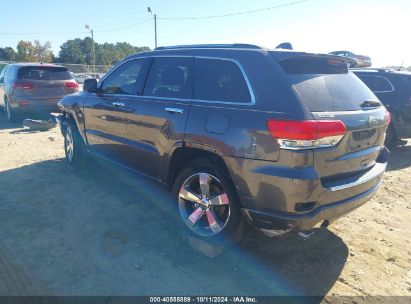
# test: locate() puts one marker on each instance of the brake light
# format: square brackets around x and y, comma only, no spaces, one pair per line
[23,103]
[23,85]
[71,85]
[387,117]
[335,62]
[307,134]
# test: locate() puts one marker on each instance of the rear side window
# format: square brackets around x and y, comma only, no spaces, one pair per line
[377,84]
[325,84]
[43,73]
[170,77]
[220,80]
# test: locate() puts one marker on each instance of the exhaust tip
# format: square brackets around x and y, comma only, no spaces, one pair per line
[306,234]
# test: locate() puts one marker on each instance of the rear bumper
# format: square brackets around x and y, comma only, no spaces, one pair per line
[299,222]
[33,106]
[272,195]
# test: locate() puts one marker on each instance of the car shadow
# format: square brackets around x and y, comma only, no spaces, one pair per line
[103,231]
[5,124]
[400,158]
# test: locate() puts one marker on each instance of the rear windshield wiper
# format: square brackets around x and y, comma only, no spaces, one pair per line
[371,103]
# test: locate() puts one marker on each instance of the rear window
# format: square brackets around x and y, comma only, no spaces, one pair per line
[325,84]
[44,73]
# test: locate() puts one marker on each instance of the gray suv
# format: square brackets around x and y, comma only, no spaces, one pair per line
[278,139]
[33,88]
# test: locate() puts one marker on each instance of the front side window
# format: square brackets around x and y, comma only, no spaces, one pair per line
[377,84]
[220,80]
[170,77]
[123,80]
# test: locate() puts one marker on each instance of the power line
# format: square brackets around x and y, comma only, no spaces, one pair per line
[235,14]
[124,27]
[42,33]
[162,18]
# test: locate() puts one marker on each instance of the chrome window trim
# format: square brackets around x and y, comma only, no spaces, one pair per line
[377,76]
[247,81]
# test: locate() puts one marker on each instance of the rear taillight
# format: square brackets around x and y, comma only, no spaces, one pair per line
[23,85]
[387,118]
[71,85]
[307,134]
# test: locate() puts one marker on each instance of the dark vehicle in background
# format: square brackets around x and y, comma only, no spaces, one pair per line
[360,60]
[394,90]
[280,139]
[32,89]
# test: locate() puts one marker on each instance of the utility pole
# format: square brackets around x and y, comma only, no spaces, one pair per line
[155,26]
[93,49]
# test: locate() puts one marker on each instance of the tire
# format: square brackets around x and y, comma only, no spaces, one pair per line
[11,116]
[73,145]
[391,137]
[208,204]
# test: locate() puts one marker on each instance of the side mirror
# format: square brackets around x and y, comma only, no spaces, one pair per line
[90,85]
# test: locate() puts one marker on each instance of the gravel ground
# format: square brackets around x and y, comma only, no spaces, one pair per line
[105,231]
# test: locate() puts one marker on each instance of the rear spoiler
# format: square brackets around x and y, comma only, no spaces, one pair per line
[285,55]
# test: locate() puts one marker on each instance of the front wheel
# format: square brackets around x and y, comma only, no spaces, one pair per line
[73,144]
[207,203]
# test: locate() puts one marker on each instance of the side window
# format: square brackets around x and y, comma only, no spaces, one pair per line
[3,72]
[123,80]
[170,77]
[8,73]
[220,80]
[377,84]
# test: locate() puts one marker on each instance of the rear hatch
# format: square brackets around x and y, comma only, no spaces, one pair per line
[330,92]
[44,83]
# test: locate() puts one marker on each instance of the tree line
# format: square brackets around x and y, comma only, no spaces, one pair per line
[74,51]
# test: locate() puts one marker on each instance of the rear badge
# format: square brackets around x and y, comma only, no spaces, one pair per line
[325,115]
[373,120]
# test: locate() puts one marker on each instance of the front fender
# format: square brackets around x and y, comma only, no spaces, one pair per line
[72,106]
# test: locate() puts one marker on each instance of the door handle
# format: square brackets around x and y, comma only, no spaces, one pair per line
[118,104]
[174,110]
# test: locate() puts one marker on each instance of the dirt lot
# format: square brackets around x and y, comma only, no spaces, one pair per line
[105,231]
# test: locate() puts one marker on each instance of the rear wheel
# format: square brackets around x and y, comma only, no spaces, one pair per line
[73,145]
[207,203]
[11,116]
[391,137]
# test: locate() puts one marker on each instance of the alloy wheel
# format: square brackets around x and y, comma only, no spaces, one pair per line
[69,144]
[204,205]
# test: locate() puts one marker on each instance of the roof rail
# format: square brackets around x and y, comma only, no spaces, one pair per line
[211,46]
[373,69]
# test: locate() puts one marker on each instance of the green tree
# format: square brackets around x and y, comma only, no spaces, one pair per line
[31,52]
[7,54]
[42,52]
[80,51]
[25,51]
[71,52]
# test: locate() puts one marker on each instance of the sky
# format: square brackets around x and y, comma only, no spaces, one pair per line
[378,28]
